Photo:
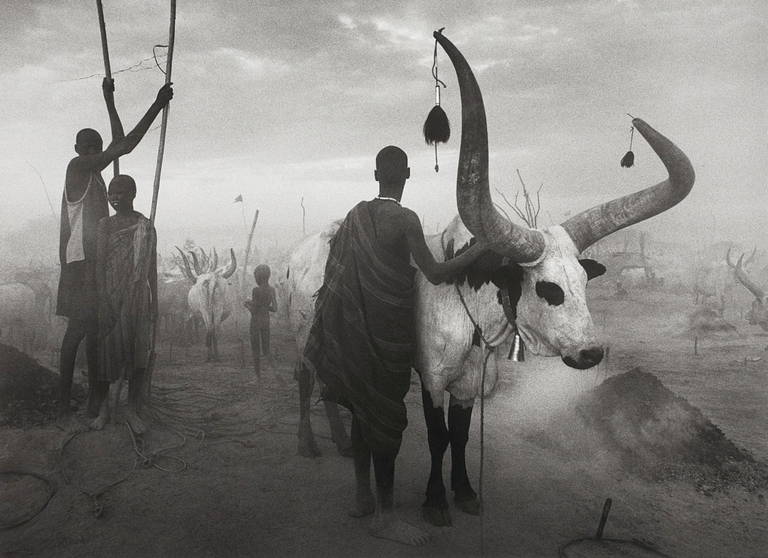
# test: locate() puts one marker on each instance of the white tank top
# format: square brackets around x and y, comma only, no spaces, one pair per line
[75,247]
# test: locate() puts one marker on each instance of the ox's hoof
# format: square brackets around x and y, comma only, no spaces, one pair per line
[308,448]
[437,515]
[470,505]
[345,451]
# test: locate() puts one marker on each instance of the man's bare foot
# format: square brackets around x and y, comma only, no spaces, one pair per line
[388,526]
[137,425]
[365,504]
[99,422]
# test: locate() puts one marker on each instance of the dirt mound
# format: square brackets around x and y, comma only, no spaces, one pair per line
[703,321]
[659,434]
[28,391]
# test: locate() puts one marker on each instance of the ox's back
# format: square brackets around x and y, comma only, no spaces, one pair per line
[303,278]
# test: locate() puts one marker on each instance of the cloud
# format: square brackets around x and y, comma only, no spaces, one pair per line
[248,63]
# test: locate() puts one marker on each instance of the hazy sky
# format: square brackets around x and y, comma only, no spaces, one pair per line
[279,100]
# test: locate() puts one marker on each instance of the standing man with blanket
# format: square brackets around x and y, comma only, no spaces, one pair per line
[362,342]
[83,205]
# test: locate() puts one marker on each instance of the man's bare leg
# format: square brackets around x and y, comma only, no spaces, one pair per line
[95,391]
[365,504]
[103,417]
[386,524]
[135,400]
[72,338]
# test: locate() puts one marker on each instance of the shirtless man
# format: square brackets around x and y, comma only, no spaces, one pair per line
[83,205]
[126,280]
[362,341]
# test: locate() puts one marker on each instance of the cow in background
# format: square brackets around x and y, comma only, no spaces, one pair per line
[208,295]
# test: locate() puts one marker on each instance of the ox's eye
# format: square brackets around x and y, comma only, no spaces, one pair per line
[550,292]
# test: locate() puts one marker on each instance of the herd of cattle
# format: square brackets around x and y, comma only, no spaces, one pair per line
[196,298]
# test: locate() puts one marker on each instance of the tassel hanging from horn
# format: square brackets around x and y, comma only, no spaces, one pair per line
[517,352]
[629,158]
[437,129]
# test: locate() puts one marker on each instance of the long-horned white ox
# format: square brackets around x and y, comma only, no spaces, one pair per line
[208,294]
[532,282]
[758,313]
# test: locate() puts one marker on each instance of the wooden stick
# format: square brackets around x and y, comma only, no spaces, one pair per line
[164,124]
[248,249]
[158,168]
[107,67]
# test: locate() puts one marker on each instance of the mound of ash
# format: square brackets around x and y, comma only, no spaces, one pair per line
[28,391]
[703,321]
[660,435]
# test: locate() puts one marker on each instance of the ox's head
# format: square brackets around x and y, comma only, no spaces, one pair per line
[546,276]
[758,313]
[209,285]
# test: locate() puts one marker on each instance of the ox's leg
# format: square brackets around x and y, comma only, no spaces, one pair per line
[435,508]
[338,432]
[307,445]
[459,418]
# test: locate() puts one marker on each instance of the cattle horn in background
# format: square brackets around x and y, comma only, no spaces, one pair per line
[232,265]
[186,270]
[591,225]
[473,194]
[742,276]
[195,263]
[215,263]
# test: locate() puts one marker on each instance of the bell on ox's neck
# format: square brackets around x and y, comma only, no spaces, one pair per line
[517,353]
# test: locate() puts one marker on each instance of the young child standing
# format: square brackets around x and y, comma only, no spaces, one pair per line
[263,301]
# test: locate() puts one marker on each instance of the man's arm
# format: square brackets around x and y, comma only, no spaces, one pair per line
[125,145]
[108,88]
[435,272]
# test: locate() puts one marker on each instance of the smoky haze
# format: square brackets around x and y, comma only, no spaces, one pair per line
[277,108]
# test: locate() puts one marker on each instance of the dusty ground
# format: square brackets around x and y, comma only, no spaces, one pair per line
[245,492]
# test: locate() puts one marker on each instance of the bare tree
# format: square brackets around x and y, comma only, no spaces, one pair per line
[529,212]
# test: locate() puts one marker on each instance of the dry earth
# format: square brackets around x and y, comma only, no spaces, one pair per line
[245,492]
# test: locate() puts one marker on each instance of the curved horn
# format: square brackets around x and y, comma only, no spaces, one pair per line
[215,263]
[232,265]
[591,225]
[195,263]
[187,271]
[751,257]
[742,276]
[205,261]
[473,194]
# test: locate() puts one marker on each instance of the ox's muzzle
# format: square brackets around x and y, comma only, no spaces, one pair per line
[587,358]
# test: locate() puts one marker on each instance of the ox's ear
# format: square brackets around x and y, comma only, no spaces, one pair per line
[593,268]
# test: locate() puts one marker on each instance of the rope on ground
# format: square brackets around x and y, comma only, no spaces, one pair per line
[51,490]
[98,508]
[148,458]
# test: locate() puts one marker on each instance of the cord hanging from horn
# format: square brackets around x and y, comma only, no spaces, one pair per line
[629,158]
[437,129]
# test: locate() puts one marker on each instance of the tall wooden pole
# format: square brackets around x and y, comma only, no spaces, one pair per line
[107,67]
[164,124]
[248,250]
[156,185]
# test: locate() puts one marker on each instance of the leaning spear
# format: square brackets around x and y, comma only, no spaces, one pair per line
[107,67]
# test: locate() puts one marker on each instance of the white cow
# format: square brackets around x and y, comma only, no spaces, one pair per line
[533,283]
[208,295]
